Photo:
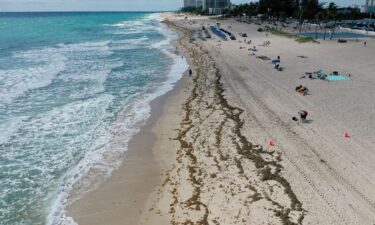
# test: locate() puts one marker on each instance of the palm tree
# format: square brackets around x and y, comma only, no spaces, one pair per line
[333,11]
[333,14]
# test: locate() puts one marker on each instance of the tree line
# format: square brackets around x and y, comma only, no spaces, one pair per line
[283,9]
[305,9]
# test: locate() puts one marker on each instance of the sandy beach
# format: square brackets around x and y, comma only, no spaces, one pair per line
[205,155]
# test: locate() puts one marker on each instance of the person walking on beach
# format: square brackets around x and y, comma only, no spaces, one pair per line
[364,44]
[190,72]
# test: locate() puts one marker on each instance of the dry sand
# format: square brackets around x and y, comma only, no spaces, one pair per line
[217,167]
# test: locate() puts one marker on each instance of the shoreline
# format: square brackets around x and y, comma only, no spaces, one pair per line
[128,188]
[138,176]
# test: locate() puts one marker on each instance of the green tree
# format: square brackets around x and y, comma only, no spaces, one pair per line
[248,9]
[277,8]
[333,12]
[310,8]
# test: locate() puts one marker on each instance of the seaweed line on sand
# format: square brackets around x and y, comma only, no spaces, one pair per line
[227,124]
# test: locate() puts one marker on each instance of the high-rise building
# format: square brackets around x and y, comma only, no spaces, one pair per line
[193,3]
[215,6]
[212,6]
[199,3]
[370,7]
[216,3]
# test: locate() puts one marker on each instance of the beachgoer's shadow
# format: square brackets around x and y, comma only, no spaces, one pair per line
[308,121]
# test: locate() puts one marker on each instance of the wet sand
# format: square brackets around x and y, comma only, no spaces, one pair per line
[122,197]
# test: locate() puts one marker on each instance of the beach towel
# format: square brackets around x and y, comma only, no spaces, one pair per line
[336,78]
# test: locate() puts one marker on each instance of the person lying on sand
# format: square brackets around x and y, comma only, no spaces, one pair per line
[278,67]
[302,90]
[311,77]
[262,57]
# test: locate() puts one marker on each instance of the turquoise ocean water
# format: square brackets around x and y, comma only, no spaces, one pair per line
[74,88]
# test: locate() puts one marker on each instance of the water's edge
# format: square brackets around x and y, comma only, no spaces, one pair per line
[59,213]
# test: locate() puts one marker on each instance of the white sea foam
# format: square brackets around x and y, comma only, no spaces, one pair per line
[47,63]
[129,43]
[53,61]
[94,108]
[84,66]
[68,126]
[133,27]
[108,148]
[7,128]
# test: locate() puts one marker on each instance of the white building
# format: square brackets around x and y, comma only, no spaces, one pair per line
[213,6]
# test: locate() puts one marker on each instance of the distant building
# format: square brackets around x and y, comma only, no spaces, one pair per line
[193,3]
[363,9]
[355,6]
[352,8]
[212,6]
[215,6]
[369,6]
[199,3]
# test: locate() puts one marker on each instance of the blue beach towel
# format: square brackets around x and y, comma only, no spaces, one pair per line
[336,78]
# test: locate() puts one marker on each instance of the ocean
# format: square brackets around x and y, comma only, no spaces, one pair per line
[74,89]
